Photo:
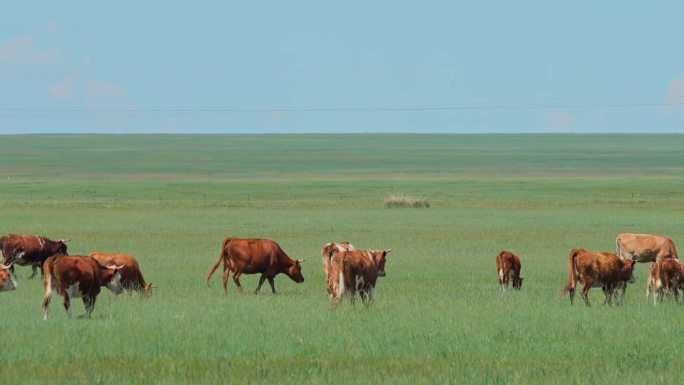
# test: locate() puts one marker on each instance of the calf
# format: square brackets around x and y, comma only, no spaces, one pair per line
[252,256]
[7,283]
[30,250]
[78,276]
[597,269]
[326,253]
[508,267]
[665,275]
[131,276]
[356,271]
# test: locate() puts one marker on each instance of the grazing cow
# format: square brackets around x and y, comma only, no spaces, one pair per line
[6,281]
[665,275]
[326,253]
[131,276]
[644,247]
[252,256]
[30,250]
[508,267]
[356,271]
[78,276]
[597,269]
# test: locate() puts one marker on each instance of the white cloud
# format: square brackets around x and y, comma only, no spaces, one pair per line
[674,98]
[105,92]
[63,90]
[560,121]
[22,51]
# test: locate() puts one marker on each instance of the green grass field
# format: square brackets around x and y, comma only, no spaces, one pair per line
[438,318]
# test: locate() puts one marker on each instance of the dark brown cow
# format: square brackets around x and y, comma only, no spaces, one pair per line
[326,253]
[6,281]
[356,271]
[597,269]
[508,267]
[78,276]
[666,274]
[131,276]
[31,250]
[644,247]
[252,256]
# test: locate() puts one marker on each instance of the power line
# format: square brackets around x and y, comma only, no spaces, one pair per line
[419,67]
[330,110]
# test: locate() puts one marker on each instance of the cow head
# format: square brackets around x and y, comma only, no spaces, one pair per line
[379,256]
[147,289]
[627,270]
[62,247]
[295,271]
[6,281]
[517,283]
[113,278]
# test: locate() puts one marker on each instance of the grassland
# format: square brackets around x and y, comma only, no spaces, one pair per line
[439,316]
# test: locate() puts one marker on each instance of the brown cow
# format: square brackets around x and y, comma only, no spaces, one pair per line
[356,271]
[507,267]
[30,250]
[644,247]
[131,276]
[78,276]
[326,253]
[7,283]
[252,256]
[597,269]
[665,275]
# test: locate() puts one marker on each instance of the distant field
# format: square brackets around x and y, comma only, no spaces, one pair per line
[439,317]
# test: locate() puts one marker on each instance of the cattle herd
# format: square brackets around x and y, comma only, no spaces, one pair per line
[348,271]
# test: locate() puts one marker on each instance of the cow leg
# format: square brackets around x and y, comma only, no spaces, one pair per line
[34,270]
[571,290]
[501,286]
[89,303]
[607,294]
[226,273]
[271,281]
[261,282]
[67,303]
[505,281]
[585,292]
[236,279]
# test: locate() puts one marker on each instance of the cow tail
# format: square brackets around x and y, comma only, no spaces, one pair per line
[222,257]
[340,285]
[47,281]
[571,273]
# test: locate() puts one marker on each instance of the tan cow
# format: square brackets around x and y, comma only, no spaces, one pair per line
[665,275]
[7,283]
[78,277]
[644,247]
[356,271]
[326,254]
[597,269]
[507,268]
[131,276]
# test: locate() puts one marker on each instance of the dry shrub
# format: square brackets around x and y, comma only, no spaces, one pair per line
[398,200]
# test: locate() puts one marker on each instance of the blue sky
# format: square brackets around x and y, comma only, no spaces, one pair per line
[355,66]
